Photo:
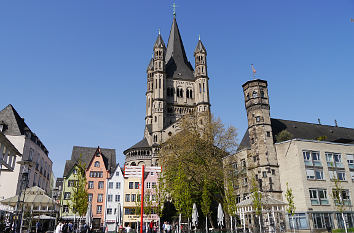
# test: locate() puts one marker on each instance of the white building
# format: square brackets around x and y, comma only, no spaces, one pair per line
[29,145]
[8,153]
[114,200]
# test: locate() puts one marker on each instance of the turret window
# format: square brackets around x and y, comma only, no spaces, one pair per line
[159,83]
[203,87]
[262,93]
[179,92]
[189,94]
[254,94]
[97,164]
[200,88]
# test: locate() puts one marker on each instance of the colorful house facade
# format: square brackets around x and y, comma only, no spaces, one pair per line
[96,175]
[114,200]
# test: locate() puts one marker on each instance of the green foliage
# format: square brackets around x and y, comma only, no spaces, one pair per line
[80,196]
[342,230]
[284,135]
[160,194]
[230,198]
[206,200]
[321,138]
[337,195]
[256,197]
[290,199]
[181,194]
[193,154]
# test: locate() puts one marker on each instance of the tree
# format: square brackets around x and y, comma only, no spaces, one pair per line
[230,200]
[337,195]
[160,197]
[291,205]
[257,201]
[196,152]
[284,135]
[80,196]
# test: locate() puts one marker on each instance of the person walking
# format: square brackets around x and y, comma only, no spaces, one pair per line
[58,229]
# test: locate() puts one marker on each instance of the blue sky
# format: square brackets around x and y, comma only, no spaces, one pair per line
[75,69]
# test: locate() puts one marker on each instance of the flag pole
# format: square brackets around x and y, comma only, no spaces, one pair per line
[142,200]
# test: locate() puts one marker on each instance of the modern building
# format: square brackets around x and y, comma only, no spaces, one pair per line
[174,88]
[30,146]
[99,163]
[306,156]
[114,200]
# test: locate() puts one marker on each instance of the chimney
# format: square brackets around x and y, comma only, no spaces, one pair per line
[319,121]
[335,123]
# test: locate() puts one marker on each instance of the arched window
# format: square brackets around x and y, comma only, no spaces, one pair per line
[262,93]
[200,88]
[190,94]
[248,96]
[159,83]
[97,164]
[254,94]
[187,93]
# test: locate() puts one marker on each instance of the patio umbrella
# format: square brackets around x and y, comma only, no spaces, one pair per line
[220,216]
[195,215]
[89,214]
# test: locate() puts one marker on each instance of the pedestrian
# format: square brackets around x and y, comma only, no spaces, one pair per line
[58,229]
[38,227]
[70,227]
[168,228]
[128,229]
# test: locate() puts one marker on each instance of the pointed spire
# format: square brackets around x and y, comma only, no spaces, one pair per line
[200,47]
[151,65]
[159,41]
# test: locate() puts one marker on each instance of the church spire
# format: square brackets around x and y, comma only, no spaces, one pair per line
[159,42]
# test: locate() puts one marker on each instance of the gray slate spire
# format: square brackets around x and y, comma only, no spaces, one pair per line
[159,42]
[151,64]
[177,64]
[200,48]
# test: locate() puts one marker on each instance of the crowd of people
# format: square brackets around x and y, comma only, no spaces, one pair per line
[69,227]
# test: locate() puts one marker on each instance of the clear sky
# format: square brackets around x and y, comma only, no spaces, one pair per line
[75,69]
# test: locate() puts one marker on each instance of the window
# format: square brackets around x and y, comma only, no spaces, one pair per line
[264,174]
[75,171]
[352,175]
[117,185]
[153,185]
[109,197]
[148,185]
[350,160]
[90,197]
[153,197]
[110,185]
[109,211]
[314,174]
[318,197]
[131,185]
[127,197]
[117,198]
[65,209]
[322,220]
[99,209]
[300,220]
[90,184]
[117,173]
[67,195]
[97,164]
[133,197]
[268,133]
[254,94]
[136,185]
[334,160]
[340,175]
[100,198]
[100,184]
[342,197]
[312,158]
[258,118]
[70,183]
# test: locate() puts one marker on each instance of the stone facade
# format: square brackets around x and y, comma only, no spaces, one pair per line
[308,161]
[174,89]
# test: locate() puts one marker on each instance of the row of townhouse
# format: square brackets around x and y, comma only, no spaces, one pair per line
[112,198]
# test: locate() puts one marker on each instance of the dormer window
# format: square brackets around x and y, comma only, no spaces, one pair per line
[2,126]
[97,164]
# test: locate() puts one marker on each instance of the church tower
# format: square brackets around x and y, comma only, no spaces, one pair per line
[262,159]
[174,89]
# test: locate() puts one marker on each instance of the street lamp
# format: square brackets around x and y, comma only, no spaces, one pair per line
[25,165]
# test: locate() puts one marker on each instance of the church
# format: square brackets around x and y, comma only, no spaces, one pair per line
[174,88]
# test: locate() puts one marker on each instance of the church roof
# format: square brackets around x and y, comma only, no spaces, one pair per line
[141,144]
[86,154]
[308,131]
[177,64]
[200,47]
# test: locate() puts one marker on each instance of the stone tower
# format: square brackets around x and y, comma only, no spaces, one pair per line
[174,89]
[262,158]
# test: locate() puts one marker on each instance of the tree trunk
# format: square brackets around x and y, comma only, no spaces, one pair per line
[345,224]
[211,222]
[294,223]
